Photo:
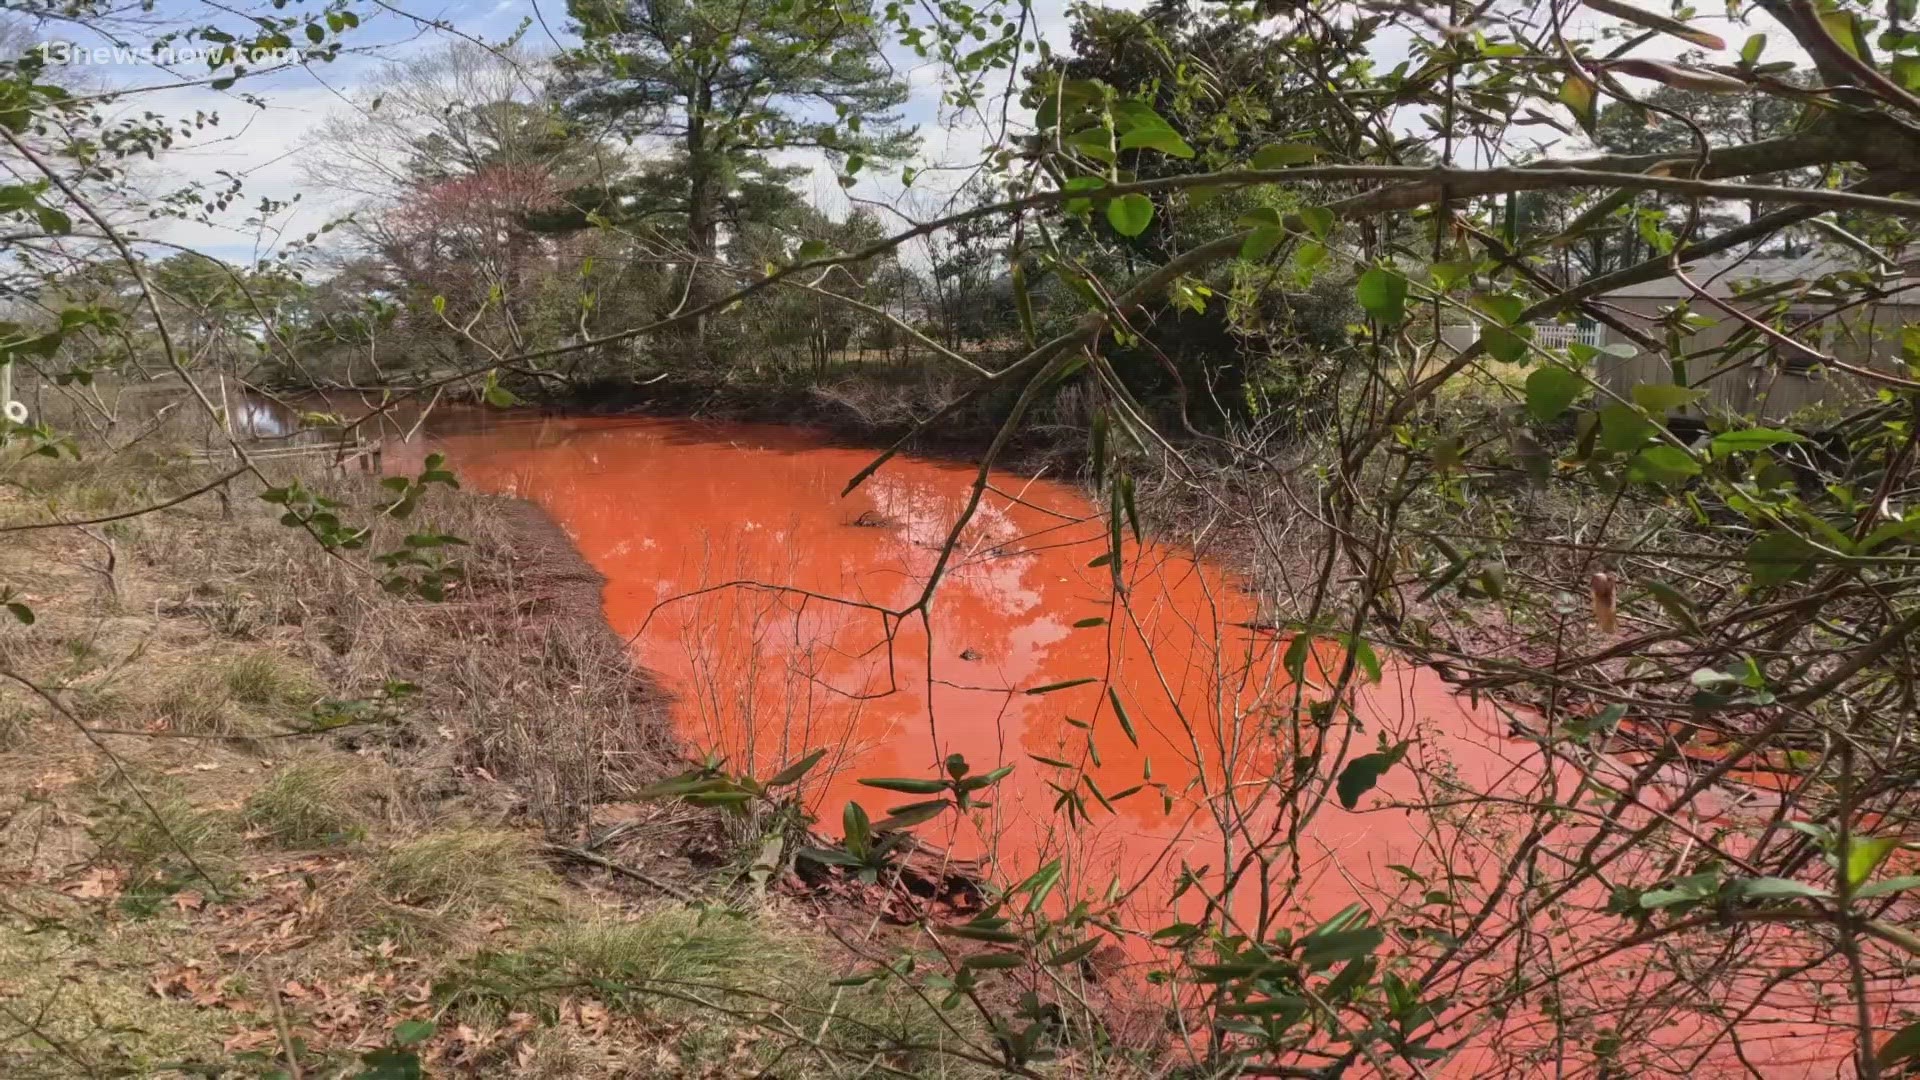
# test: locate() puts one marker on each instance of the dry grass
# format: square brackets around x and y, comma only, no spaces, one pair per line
[318,801]
[725,984]
[462,872]
[339,877]
[80,1006]
[190,706]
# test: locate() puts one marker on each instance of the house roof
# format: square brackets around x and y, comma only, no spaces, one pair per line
[1721,274]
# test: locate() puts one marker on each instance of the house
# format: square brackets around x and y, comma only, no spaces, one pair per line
[1831,304]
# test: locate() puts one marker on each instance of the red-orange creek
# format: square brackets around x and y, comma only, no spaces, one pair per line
[755,592]
[759,596]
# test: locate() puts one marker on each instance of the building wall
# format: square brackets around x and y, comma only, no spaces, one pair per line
[1755,378]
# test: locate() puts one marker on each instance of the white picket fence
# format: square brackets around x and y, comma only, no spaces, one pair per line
[1560,335]
[1545,335]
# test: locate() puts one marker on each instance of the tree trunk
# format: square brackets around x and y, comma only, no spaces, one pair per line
[702,239]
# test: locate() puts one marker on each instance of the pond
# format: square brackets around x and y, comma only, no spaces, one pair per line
[758,595]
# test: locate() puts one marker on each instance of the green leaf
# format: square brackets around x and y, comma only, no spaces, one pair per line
[1751,50]
[1282,155]
[1864,856]
[21,612]
[389,1064]
[1775,888]
[1504,344]
[1676,603]
[1580,97]
[1051,687]
[1320,950]
[1623,428]
[798,769]
[1364,656]
[1260,243]
[1363,772]
[1778,556]
[1294,661]
[1073,954]
[857,826]
[1120,713]
[984,933]
[1164,139]
[905,785]
[1844,30]
[1550,390]
[1664,397]
[1261,217]
[1084,624]
[1662,23]
[1686,890]
[1318,220]
[906,817]
[1383,293]
[1130,214]
[1039,886]
[992,961]
[409,1032]
[1749,439]
[826,856]
[1904,1045]
[1886,887]
[1506,308]
[1662,465]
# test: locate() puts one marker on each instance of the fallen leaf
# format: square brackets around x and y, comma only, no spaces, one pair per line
[99,882]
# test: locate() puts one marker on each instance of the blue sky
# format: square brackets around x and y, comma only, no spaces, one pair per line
[267,122]
[263,141]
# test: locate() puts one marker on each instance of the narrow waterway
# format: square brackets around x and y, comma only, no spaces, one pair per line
[760,596]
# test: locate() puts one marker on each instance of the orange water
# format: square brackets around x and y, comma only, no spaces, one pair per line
[758,594]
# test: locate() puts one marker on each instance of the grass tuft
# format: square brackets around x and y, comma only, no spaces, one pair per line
[264,680]
[192,707]
[160,834]
[463,872]
[315,802]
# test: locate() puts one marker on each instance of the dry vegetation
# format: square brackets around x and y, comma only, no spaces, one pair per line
[198,884]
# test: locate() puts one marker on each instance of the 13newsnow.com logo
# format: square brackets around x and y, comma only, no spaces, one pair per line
[72,54]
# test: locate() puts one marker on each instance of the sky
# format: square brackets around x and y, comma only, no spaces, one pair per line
[267,124]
